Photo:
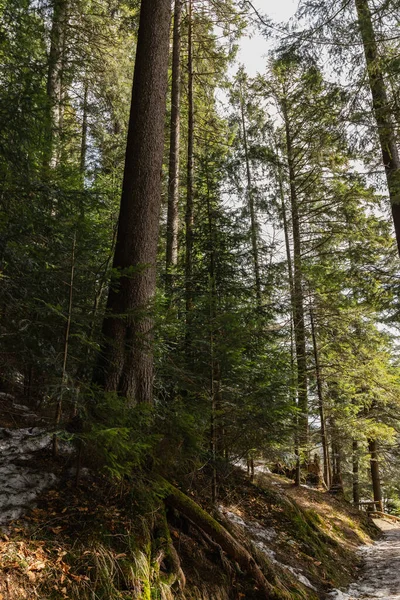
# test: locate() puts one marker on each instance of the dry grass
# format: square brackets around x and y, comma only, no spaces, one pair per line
[86,545]
[32,569]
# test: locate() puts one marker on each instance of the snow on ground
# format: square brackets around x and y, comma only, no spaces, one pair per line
[381,573]
[20,481]
[259,466]
[261,537]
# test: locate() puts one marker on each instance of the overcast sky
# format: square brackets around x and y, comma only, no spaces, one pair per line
[253,49]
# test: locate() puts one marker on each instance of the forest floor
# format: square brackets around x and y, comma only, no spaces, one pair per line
[318,535]
[58,541]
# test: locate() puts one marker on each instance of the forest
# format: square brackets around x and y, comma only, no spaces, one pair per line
[199,296]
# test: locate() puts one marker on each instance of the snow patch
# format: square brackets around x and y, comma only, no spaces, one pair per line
[21,407]
[338,595]
[261,536]
[20,481]
[259,466]
[381,574]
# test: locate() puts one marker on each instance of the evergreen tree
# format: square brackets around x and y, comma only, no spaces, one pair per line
[126,361]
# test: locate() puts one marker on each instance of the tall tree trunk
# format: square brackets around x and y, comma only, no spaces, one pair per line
[321,408]
[215,374]
[356,482]
[375,475]
[386,131]
[59,156]
[291,289]
[336,479]
[190,173]
[83,153]
[54,80]
[250,199]
[66,344]
[298,305]
[173,177]
[82,160]
[126,361]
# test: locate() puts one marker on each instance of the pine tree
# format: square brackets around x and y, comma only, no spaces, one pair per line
[126,363]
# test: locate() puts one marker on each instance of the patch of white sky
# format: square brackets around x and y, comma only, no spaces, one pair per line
[254,47]
[253,52]
[253,55]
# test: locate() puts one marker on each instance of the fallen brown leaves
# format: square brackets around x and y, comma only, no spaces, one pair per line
[27,568]
[42,555]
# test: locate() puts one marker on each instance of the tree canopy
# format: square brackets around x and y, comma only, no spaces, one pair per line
[201,268]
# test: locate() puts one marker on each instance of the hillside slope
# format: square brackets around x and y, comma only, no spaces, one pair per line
[104,542]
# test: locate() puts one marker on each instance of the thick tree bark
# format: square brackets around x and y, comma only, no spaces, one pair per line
[189,218]
[375,475]
[321,408]
[126,361]
[298,306]
[250,198]
[173,177]
[386,131]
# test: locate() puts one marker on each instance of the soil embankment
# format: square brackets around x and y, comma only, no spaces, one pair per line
[98,541]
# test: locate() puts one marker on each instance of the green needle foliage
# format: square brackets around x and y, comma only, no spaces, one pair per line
[277,337]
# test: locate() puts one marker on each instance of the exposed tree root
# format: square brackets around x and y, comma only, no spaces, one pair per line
[192,511]
[165,552]
[210,543]
[257,554]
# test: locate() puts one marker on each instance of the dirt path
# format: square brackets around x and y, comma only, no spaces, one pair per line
[381,574]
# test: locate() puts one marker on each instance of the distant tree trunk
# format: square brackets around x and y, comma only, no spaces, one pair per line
[214,382]
[126,361]
[250,198]
[54,79]
[382,112]
[66,345]
[82,161]
[336,486]
[291,289]
[190,174]
[250,468]
[321,408]
[59,156]
[356,483]
[286,234]
[215,371]
[375,475]
[298,306]
[173,177]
